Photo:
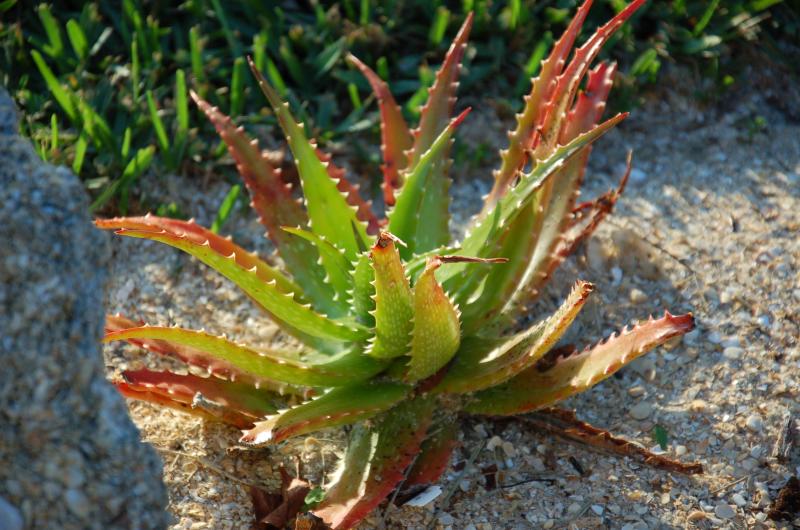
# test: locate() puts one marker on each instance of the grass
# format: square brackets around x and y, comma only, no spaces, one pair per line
[103,85]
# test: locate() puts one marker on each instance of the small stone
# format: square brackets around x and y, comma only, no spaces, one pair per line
[641,410]
[696,515]
[637,176]
[754,423]
[597,509]
[10,518]
[724,511]
[446,519]
[715,337]
[636,391]
[698,405]
[738,499]
[637,296]
[733,352]
[77,503]
[616,275]
[550,523]
[574,508]
[680,450]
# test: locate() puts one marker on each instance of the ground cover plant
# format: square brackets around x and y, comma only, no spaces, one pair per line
[402,330]
[103,86]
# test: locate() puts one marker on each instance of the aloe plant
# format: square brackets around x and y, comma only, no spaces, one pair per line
[401,329]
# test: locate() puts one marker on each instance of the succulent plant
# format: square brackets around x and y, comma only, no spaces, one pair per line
[400,329]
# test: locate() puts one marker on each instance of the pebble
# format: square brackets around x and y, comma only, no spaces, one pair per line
[698,405]
[754,423]
[596,508]
[616,275]
[696,515]
[724,511]
[738,499]
[10,518]
[637,296]
[733,352]
[446,519]
[681,450]
[641,410]
[637,176]
[636,391]
[715,337]
[77,503]
[574,508]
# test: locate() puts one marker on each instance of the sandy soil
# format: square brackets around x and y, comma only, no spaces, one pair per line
[709,223]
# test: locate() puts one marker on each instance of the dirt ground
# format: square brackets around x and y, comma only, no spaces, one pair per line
[709,223]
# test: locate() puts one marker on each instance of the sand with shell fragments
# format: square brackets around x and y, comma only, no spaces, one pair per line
[709,223]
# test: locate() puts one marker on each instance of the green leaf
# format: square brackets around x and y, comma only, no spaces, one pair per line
[340,406]
[239,268]
[329,213]
[62,95]
[377,456]
[333,259]
[55,47]
[482,363]
[78,39]
[483,239]
[437,332]
[272,200]
[225,208]
[394,306]
[139,164]
[338,370]
[544,385]
[660,437]
[418,217]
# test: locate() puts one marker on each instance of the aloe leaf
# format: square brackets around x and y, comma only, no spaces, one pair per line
[441,96]
[340,406]
[485,289]
[364,291]
[542,87]
[482,363]
[374,465]
[394,305]
[484,238]
[329,213]
[569,80]
[337,370]
[351,194]
[581,227]
[434,455]
[556,199]
[396,138]
[422,198]
[437,332]
[336,264]
[549,382]
[199,358]
[241,402]
[202,236]
[240,270]
[272,200]
[178,402]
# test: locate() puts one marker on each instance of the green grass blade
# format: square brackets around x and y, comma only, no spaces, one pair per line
[55,46]
[62,95]
[78,39]
[226,208]
[139,164]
